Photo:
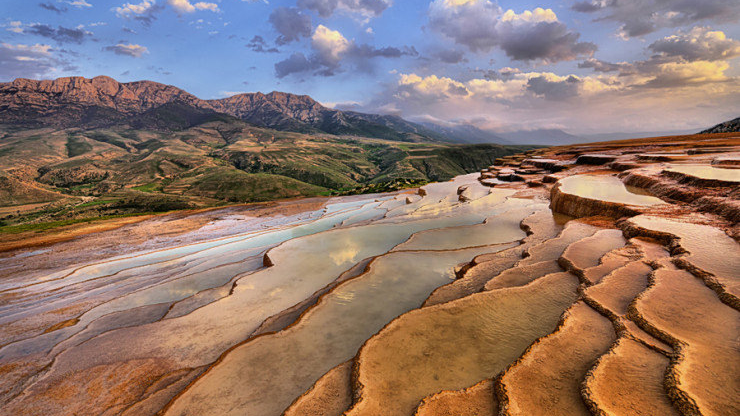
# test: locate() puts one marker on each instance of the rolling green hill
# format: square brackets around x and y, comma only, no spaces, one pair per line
[53,174]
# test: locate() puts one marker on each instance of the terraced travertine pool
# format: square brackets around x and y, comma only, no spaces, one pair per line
[606,188]
[184,327]
[706,247]
[305,255]
[711,172]
[325,337]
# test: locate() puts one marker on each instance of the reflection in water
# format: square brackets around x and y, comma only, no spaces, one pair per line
[326,336]
[709,248]
[307,255]
[347,254]
[606,188]
[707,172]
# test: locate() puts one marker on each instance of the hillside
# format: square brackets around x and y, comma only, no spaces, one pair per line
[726,127]
[49,174]
[103,102]
[76,148]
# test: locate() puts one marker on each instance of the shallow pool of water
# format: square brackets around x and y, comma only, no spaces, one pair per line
[606,188]
[326,336]
[707,172]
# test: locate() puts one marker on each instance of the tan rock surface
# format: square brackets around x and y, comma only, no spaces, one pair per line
[453,345]
[628,381]
[705,334]
[547,379]
[588,252]
[331,395]
[477,400]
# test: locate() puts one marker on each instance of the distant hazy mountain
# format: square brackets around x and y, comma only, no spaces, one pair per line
[465,133]
[603,137]
[104,102]
[726,127]
[471,134]
[546,137]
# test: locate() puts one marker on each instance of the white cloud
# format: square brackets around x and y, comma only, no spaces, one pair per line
[329,44]
[639,18]
[133,50]
[700,43]
[664,96]
[207,6]
[517,85]
[497,89]
[536,16]
[331,50]
[468,22]
[130,10]
[15,27]
[413,86]
[79,3]
[226,94]
[482,25]
[682,74]
[184,6]
[28,61]
[365,8]
[37,49]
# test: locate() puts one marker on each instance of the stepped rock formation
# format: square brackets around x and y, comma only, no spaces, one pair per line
[476,400]
[605,286]
[629,381]
[546,379]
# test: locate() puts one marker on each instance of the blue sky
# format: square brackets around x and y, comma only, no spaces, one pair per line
[583,66]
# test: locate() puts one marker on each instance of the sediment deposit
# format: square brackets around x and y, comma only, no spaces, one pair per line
[597,279]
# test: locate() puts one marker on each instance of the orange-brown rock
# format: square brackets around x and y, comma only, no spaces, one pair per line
[547,379]
[679,308]
[477,400]
[628,381]
[331,395]
[454,345]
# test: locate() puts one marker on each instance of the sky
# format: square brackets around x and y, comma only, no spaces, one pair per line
[584,66]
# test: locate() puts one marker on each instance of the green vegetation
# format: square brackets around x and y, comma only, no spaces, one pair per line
[150,187]
[379,187]
[76,147]
[95,203]
[152,203]
[218,162]
[236,186]
[42,226]
[107,137]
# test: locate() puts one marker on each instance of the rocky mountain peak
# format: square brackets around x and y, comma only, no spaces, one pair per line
[103,101]
[101,91]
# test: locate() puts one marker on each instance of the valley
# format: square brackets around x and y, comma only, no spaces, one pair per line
[54,174]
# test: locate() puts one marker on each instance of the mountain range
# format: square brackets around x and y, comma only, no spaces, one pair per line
[73,148]
[76,149]
[104,102]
